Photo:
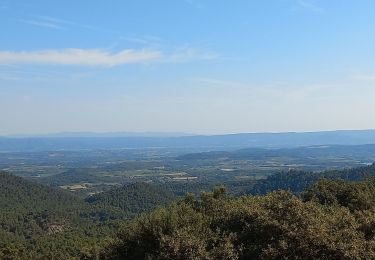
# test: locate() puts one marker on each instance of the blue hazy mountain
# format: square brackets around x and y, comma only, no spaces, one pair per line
[82,141]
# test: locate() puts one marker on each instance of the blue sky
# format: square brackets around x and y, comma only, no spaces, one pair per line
[193,66]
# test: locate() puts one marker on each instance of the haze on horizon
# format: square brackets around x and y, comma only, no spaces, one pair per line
[190,66]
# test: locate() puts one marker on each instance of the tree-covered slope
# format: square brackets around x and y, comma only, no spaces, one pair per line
[298,181]
[329,222]
[132,198]
[29,209]
[37,221]
[325,218]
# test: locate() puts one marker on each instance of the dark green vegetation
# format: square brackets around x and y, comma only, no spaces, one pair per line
[38,221]
[45,220]
[333,220]
[132,198]
[70,204]
[298,181]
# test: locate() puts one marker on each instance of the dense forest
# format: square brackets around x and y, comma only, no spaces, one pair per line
[298,181]
[40,221]
[133,198]
[37,221]
[333,219]
[328,214]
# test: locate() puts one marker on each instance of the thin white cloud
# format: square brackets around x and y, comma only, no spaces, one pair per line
[136,40]
[63,22]
[91,57]
[220,82]
[194,3]
[54,23]
[187,54]
[145,40]
[53,19]
[99,57]
[43,24]
[309,5]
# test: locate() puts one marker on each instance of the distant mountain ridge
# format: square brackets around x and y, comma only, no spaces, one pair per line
[101,134]
[204,142]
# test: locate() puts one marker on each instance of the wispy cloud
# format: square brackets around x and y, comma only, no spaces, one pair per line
[186,54]
[100,57]
[145,40]
[42,24]
[42,74]
[53,23]
[309,5]
[194,3]
[64,22]
[220,82]
[90,57]
[53,19]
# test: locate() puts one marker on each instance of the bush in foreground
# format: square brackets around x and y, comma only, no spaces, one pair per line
[279,225]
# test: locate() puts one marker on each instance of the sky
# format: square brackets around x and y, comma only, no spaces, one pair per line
[191,66]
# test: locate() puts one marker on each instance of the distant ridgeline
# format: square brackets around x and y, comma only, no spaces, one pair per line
[213,142]
[37,221]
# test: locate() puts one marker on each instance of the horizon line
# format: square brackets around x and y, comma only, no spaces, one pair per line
[89,134]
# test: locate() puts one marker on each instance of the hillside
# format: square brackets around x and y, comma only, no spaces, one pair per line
[28,207]
[40,221]
[332,220]
[298,181]
[132,198]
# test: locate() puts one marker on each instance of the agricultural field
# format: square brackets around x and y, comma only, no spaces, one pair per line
[89,172]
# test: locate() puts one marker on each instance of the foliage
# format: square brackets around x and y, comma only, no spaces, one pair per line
[332,219]
[353,195]
[40,222]
[279,225]
[298,181]
[133,198]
